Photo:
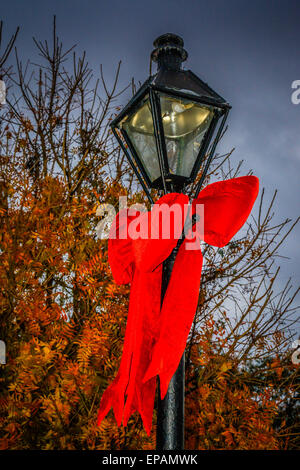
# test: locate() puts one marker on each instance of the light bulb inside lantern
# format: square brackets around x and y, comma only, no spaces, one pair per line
[182,117]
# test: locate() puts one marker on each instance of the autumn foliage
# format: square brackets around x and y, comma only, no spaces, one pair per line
[63,317]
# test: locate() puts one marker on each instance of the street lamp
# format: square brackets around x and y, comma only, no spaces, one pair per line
[165,131]
[166,128]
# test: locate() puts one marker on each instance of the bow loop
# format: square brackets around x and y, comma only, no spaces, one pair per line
[120,255]
[227,205]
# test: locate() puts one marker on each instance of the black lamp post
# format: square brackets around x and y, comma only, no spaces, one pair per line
[165,131]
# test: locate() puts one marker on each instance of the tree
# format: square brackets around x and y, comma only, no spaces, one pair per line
[62,316]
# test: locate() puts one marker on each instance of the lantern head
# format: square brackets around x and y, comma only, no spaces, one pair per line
[167,126]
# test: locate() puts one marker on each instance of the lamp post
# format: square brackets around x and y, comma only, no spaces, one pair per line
[165,131]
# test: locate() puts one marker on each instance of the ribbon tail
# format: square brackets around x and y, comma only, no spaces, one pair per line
[112,398]
[114,395]
[140,336]
[140,396]
[143,402]
[177,314]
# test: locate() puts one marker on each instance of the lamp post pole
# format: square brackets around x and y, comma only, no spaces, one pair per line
[165,131]
[170,410]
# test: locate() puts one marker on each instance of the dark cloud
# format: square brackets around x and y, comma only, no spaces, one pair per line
[248,51]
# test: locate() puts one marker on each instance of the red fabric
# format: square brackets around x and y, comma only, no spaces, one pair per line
[156,336]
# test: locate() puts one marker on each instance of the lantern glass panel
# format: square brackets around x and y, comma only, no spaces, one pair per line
[185,124]
[140,130]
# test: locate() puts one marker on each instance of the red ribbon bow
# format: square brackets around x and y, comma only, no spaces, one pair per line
[156,335]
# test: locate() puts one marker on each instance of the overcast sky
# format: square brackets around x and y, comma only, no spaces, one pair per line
[248,51]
